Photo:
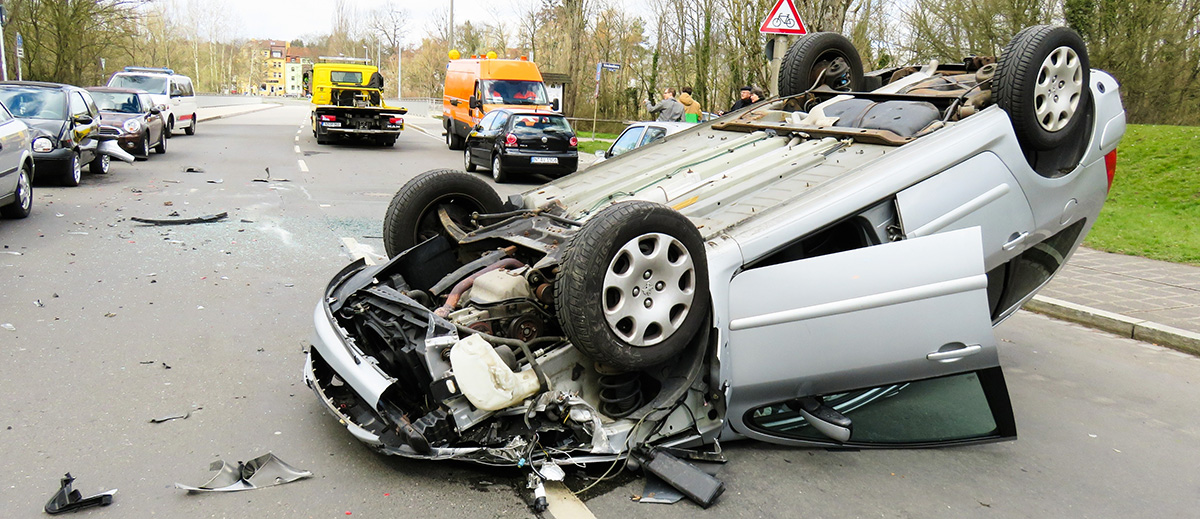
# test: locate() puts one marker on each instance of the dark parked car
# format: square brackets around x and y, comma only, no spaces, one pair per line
[16,166]
[69,122]
[527,141]
[133,117]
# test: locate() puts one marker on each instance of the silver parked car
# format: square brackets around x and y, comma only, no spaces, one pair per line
[824,269]
[16,166]
[640,134]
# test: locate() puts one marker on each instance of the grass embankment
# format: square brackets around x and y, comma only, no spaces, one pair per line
[1153,209]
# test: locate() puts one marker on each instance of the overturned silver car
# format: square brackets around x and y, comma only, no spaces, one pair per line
[821,269]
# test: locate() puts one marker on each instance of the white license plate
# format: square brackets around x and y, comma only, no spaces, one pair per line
[331,125]
[543,160]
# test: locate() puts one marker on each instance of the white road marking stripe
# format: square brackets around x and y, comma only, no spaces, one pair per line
[303,166]
[297,137]
[360,250]
[297,148]
[425,132]
[564,504]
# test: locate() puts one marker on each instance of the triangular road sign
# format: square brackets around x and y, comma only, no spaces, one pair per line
[784,19]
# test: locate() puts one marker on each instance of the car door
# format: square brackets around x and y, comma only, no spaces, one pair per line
[480,142]
[154,121]
[85,121]
[627,141]
[886,345]
[12,139]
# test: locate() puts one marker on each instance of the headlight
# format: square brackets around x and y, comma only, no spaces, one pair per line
[133,126]
[43,144]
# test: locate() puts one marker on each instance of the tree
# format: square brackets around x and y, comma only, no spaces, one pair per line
[65,40]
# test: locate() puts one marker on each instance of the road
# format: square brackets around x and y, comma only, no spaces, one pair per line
[117,323]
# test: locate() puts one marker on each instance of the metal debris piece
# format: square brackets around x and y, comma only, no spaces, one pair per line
[167,418]
[659,492]
[264,471]
[13,252]
[68,500]
[9,327]
[216,181]
[182,221]
[190,169]
[38,303]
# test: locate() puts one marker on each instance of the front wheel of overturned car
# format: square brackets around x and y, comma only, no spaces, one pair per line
[821,58]
[1042,82]
[414,215]
[633,290]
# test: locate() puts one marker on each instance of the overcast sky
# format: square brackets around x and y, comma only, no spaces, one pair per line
[291,19]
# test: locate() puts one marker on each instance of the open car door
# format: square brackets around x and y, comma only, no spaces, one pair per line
[882,346]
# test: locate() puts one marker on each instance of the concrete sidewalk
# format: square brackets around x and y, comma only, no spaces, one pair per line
[1149,300]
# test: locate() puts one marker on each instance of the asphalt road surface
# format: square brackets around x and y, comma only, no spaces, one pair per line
[117,323]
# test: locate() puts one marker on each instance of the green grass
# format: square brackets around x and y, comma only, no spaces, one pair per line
[590,147]
[587,134]
[1153,209]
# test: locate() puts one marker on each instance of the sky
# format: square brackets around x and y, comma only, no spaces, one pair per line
[291,19]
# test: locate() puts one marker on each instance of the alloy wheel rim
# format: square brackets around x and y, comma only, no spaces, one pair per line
[466,159]
[1058,89]
[104,162]
[76,169]
[23,191]
[496,168]
[648,289]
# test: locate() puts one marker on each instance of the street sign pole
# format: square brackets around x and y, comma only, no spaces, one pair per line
[3,64]
[20,54]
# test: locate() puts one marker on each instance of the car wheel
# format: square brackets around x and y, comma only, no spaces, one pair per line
[1042,82]
[454,141]
[74,172]
[191,130]
[634,285]
[498,173]
[467,164]
[144,152]
[99,165]
[820,58]
[161,147]
[412,216]
[170,127]
[22,205]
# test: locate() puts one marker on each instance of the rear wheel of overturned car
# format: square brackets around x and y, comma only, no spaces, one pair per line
[414,216]
[1042,82]
[22,203]
[633,290]
[821,58]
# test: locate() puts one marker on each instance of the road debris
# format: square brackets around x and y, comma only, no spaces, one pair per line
[192,169]
[13,252]
[182,221]
[38,303]
[177,416]
[269,179]
[216,181]
[9,327]
[69,500]
[168,203]
[264,471]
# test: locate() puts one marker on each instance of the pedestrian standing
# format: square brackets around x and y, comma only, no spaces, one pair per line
[744,99]
[669,109]
[692,112]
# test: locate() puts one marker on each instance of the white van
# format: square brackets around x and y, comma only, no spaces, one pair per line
[166,88]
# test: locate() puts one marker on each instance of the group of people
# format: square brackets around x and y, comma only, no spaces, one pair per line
[684,108]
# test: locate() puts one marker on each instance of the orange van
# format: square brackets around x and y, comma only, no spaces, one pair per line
[475,87]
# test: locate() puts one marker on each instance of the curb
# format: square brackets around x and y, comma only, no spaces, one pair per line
[252,108]
[1137,329]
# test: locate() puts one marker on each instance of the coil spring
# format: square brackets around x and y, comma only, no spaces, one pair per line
[620,395]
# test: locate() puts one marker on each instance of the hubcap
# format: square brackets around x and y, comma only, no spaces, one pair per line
[24,194]
[466,159]
[496,168]
[104,161]
[648,289]
[76,169]
[1058,90]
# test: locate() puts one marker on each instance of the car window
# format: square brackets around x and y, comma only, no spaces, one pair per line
[628,140]
[152,84]
[185,87]
[528,125]
[78,106]
[176,91]
[500,120]
[512,92]
[91,103]
[146,102]
[5,116]
[486,122]
[344,77]
[123,102]
[34,103]
[653,133]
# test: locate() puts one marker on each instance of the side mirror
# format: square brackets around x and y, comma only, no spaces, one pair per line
[83,119]
[474,102]
[478,127]
[554,105]
[155,111]
[601,154]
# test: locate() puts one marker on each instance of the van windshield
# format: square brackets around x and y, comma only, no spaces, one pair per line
[512,92]
[152,84]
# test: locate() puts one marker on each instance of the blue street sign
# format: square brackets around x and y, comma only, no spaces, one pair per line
[20,42]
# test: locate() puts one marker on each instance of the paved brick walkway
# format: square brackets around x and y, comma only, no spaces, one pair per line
[1158,291]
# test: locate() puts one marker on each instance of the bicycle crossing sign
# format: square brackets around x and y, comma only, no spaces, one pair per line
[784,19]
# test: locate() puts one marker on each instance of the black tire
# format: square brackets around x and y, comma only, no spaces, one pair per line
[161,147]
[388,141]
[99,164]
[499,174]
[74,172]
[592,310]
[467,164]
[22,204]
[1044,113]
[191,130]
[453,140]
[807,60]
[170,127]
[412,216]
[144,151]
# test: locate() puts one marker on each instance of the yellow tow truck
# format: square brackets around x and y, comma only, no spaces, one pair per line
[347,103]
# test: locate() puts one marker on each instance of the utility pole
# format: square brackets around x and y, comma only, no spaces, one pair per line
[3,22]
[451,28]
[399,69]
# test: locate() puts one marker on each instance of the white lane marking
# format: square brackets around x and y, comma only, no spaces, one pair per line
[297,137]
[426,132]
[297,148]
[303,166]
[361,250]
[564,504]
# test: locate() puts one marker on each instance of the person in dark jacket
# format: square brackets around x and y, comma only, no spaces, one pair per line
[744,100]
